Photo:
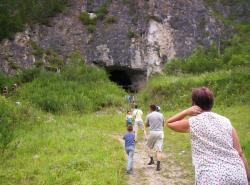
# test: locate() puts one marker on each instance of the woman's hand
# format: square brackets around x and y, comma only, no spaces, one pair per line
[193,111]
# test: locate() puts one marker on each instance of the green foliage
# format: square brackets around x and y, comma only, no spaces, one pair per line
[7,123]
[14,14]
[6,81]
[51,57]
[78,88]
[199,62]
[37,50]
[28,75]
[230,87]
[39,63]
[234,5]
[91,28]
[233,53]
[101,12]
[132,34]
[54,59]
[110,20]
[13,65]
[86,20]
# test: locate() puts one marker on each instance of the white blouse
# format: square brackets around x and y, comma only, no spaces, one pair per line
[215,160]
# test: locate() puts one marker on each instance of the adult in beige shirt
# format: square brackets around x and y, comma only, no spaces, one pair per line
[137,116]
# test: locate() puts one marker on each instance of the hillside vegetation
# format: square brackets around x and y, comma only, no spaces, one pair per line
[56,128]
[79,87]
[14,14]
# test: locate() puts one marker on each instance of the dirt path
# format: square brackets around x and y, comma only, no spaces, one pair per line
[170,174]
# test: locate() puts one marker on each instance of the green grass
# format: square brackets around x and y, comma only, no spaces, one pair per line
[79,88]
[231,87]
[61,132]
[69,149]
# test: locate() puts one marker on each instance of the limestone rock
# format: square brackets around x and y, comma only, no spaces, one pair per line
[145,35]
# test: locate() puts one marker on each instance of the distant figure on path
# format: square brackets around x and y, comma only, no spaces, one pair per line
[129,99]
[129,139]
[14,87]
[129,118]
[155,121]
[5,91]
[137,115]
[217,155]
[158,108]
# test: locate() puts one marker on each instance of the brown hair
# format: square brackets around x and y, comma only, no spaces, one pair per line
[130,128]
[203,97]
[153,107]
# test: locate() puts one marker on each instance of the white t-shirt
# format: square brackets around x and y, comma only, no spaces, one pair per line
[137,114]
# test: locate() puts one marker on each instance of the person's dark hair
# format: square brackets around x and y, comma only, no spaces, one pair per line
[203,97]
[136,106]
[128,111]
[130,128]
[153,107]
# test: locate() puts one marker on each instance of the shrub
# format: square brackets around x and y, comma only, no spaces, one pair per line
[78,88]
[7,123]
[5,81]
[13,65]
[102,11]
[110,20]
[132,34]
[39,63]
[28,75]
[199,62]
[91,28]
[86,20]
[15,14]
[37,50]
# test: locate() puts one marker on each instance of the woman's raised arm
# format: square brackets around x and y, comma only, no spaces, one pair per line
[178,123]
[236,144]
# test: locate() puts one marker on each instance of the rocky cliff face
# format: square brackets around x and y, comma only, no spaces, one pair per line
[144,35]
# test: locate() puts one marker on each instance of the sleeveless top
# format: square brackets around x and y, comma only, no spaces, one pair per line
[214,158]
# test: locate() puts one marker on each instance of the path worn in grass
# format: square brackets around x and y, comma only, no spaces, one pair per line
[171,173]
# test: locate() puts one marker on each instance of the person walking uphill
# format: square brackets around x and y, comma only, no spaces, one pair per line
[155,121]
[129,118]
[137,115]
[130,147]
[216,152]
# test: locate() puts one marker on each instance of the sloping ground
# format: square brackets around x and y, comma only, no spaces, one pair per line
[64,150]
[172,173]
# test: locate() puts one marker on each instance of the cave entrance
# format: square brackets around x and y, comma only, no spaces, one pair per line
[129,79]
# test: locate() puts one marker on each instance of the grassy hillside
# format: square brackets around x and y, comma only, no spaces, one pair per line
[231,87]
[68,149]
[78,87]
[57,133]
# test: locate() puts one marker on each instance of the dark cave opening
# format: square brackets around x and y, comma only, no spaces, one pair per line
[121,78]
[129,79]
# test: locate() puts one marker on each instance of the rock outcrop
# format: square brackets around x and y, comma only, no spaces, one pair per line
[145,35]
